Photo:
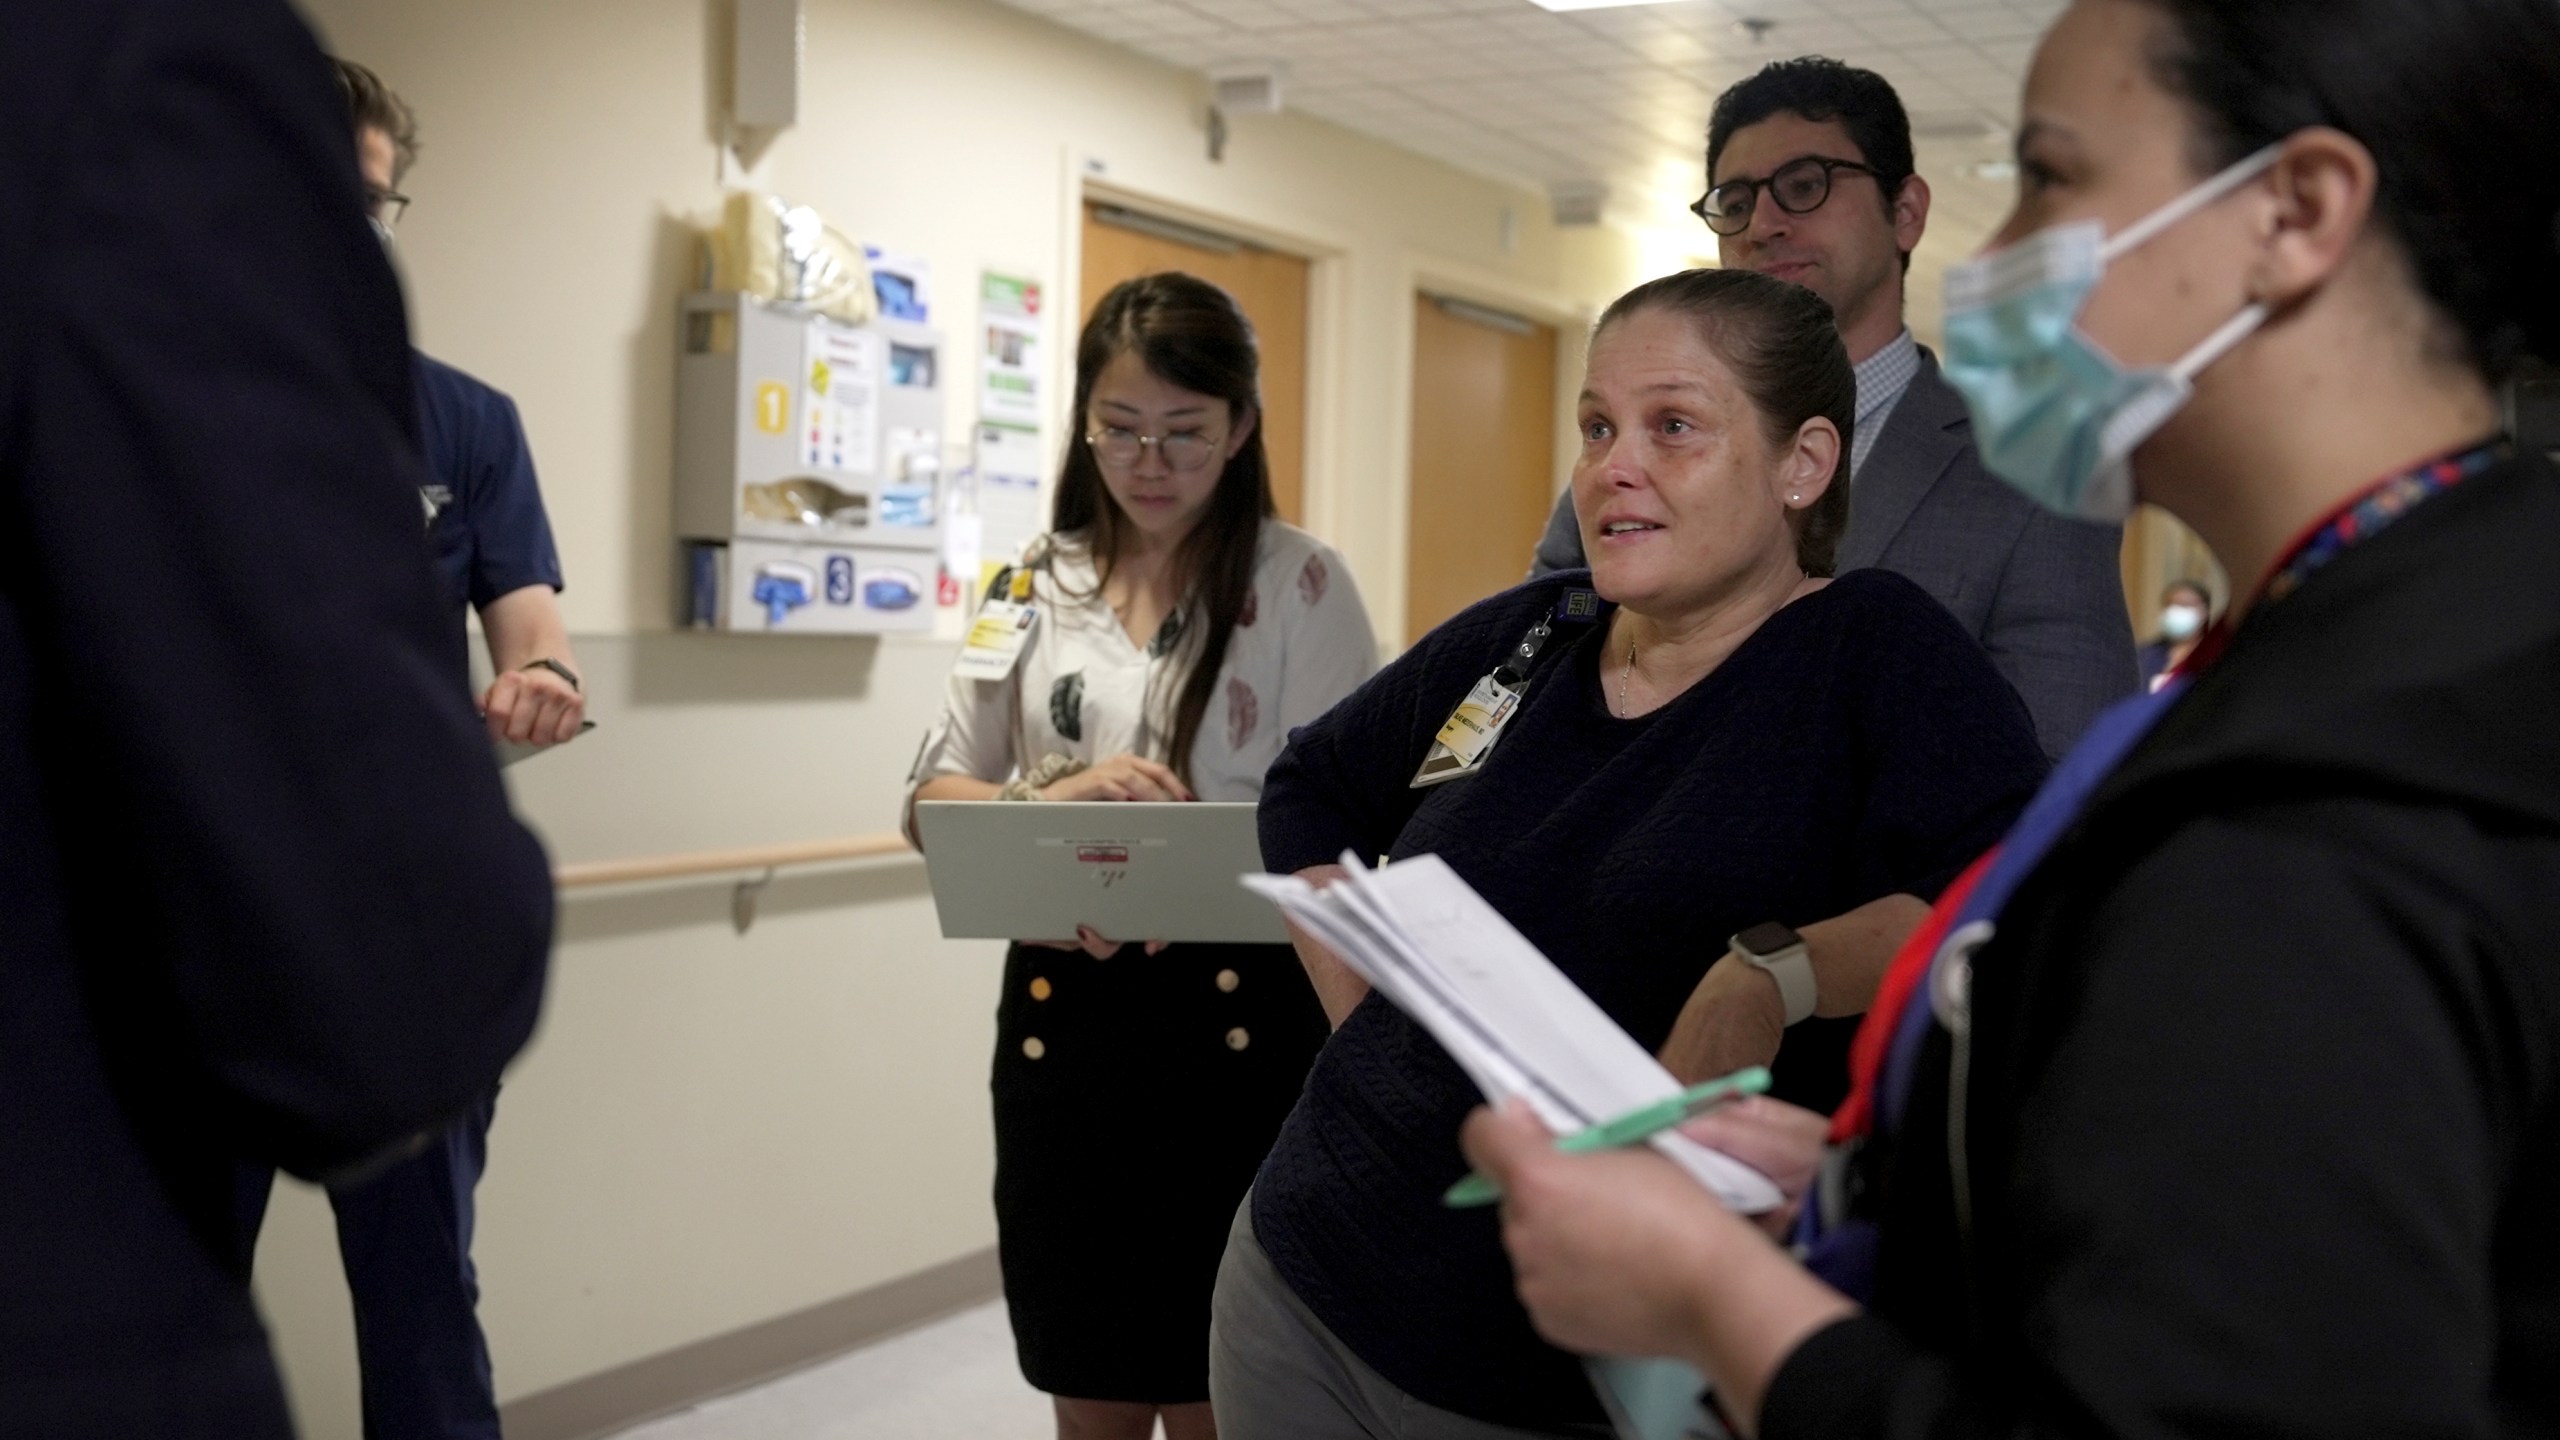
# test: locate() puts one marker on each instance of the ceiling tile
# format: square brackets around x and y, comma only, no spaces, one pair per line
[1615,96]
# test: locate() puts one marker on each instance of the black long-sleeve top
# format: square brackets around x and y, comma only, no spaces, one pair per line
[1859,744]
[260,892]
[2264,1106]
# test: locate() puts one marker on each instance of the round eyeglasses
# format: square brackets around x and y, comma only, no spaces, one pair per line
[1182,450]
[1799,187]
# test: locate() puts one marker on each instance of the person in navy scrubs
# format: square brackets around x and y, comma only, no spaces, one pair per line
[405,1235]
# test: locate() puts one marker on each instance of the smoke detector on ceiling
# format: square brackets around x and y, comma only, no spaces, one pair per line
[1248,88]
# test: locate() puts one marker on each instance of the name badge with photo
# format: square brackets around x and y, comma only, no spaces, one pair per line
[996,638]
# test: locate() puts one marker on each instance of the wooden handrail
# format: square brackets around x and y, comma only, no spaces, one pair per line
[723,862]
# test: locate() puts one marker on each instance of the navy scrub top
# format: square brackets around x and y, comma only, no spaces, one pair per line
[485,520]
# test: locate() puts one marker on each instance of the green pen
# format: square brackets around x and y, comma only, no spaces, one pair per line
[1632,1128]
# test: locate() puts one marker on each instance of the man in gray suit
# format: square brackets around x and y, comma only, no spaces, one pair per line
[1810,175]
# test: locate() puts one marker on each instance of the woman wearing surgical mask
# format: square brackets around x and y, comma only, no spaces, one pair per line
[2224,1097]
[2184,608]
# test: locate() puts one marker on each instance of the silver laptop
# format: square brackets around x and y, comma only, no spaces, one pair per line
[1132,870]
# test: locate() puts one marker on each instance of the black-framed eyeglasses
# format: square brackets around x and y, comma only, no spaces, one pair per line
[1799,186]
[385,204]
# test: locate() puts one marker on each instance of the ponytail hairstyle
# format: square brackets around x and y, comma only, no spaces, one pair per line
[2458,101]
[1190,334]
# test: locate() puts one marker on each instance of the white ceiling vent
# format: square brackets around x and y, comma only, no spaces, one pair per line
[1578,202]
[1956,125]
[1248,89]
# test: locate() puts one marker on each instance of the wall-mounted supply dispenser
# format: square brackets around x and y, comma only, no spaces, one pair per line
[808,484]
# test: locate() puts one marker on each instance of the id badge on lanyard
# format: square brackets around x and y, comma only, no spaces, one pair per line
[1000,631]
[1466,739]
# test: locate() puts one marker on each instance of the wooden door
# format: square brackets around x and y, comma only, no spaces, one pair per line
[1271,289]
[1484,398]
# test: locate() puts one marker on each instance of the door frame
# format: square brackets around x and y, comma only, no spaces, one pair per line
[1084,179]
[1420,276]
[1361,504]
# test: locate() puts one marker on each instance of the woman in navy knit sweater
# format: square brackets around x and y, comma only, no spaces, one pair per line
[1734,738]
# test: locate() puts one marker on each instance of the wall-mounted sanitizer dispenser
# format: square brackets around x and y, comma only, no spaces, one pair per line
[808,483]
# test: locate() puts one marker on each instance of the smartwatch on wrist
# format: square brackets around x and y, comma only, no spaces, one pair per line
[556,668]
[1781,952]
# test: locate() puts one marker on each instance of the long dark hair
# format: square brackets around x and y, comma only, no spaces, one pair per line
[1188,333]
[2454,98]
[1780,342]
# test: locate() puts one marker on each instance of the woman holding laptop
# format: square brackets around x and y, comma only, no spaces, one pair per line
[1182,631]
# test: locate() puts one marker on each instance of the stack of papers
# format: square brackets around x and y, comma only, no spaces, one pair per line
[1425,940]
[1511,1020]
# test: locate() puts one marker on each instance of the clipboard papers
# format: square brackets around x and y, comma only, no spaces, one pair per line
[1518,1027]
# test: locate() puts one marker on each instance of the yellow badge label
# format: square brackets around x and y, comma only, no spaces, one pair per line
[773,407]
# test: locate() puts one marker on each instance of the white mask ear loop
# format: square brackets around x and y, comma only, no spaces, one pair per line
[2232,178]
[2218,344]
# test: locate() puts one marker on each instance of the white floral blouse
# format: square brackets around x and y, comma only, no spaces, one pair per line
[1083,690]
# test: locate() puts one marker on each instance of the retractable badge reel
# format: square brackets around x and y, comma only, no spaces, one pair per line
[1467,737]
[1002,628]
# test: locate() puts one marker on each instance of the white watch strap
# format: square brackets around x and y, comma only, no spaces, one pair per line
[1792,968]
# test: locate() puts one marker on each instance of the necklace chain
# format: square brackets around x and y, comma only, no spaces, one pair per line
[1623,712]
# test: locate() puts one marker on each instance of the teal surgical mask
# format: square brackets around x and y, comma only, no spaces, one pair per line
[2053,414]
[2180,623]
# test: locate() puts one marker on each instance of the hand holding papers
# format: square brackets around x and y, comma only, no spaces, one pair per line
[1517,1026]
[1632,1128]
[1503,1011]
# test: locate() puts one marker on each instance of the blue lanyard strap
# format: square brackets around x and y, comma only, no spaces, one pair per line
[2065,794]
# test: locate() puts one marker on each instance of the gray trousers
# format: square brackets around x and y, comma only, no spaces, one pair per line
[1276,1372]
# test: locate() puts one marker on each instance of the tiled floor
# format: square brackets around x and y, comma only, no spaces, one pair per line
[952,1380]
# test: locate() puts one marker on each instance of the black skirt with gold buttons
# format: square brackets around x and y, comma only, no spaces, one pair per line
[1134,1099]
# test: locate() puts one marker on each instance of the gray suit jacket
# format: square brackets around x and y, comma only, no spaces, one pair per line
[2041,592]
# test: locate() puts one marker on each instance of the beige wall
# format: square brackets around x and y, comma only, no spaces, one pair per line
[712,1130]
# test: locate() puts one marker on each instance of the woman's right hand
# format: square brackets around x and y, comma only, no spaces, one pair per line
[1122,777]
[1339,988]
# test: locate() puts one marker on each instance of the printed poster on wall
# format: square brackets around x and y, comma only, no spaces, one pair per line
[1009,350]
[1009,466]
[843,375]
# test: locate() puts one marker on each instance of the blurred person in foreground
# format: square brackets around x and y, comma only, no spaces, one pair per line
[262,893]
[2224,1098]
[404,1235]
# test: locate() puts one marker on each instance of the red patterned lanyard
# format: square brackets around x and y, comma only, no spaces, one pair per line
[2359,518]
